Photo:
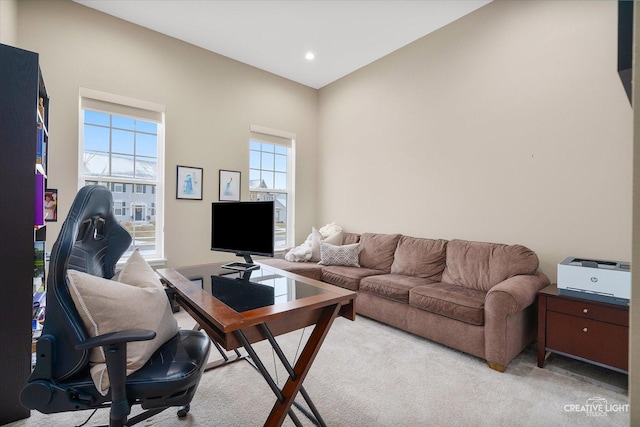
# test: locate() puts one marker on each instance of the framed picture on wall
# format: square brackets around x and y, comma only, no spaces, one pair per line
[51,204]
[229,185]
[189,183]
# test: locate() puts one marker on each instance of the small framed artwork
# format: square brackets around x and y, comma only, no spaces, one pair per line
[51,204]
[229,185]
[189,183]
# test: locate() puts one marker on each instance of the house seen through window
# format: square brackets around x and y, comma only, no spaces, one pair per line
[124,153]
[271,178]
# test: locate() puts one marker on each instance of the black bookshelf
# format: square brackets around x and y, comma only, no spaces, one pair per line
[21,87]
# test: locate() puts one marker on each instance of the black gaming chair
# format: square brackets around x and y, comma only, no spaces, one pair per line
[92,241]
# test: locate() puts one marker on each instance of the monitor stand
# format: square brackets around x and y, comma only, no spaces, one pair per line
[248,265]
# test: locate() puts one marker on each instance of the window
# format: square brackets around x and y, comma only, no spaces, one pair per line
[118,187]
[122,148]
[120,208]
[271,177]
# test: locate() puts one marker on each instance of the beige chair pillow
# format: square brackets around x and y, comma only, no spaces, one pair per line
[136,301]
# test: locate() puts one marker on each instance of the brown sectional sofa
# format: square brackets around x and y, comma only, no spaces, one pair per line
[472,296]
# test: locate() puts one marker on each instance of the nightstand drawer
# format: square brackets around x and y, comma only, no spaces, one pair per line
[601,342]
[590,310]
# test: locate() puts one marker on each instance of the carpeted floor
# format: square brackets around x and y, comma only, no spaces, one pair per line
[369,374]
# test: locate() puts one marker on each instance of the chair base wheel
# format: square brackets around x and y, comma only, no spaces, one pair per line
[183,410]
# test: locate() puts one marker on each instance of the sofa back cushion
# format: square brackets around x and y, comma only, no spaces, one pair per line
[376,250]
[481,266]
[420,257]
[349,238]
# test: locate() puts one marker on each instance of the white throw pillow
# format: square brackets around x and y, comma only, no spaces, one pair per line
[136,301]
[317,237]
[339,254]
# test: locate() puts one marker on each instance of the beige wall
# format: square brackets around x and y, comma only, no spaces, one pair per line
[210,100]
[509,125]
[8,22]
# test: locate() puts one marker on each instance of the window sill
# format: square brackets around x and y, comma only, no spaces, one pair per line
[280,253]
[153,262]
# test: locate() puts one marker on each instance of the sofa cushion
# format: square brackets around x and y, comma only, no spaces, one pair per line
[349,238]
[392,286]
[456,302]
[339,255]
[376,250]
[347,277]
[419,257]
[480,266]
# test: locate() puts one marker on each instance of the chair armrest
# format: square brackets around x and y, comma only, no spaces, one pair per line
[515,294]
[115,354]
[118,337]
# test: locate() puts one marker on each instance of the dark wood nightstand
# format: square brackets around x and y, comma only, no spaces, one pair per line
[587,330]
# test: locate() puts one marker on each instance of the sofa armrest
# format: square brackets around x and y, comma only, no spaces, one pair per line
[515,294]
[510,317]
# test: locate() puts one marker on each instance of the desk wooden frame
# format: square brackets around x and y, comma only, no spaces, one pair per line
[228,327]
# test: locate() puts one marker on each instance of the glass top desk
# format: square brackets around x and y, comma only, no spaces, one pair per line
[237,309]
[244,291]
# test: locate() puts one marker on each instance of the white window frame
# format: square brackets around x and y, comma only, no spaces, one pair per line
[130,107]
[286,139]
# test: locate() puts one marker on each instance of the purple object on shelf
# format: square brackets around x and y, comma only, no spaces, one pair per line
[39,210]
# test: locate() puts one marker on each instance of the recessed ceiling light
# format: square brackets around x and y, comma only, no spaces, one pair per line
[310,56]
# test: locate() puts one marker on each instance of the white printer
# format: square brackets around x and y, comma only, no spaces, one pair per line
[606,281]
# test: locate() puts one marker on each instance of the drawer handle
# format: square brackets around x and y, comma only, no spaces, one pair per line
[585,330]
[585,310]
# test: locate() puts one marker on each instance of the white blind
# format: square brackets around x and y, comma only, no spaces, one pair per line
[272,136]
[121,105]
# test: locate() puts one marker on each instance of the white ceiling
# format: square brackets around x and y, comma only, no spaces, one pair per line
[275,35]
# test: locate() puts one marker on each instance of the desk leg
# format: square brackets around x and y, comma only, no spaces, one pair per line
[257,363]
[302,366]
[317,419]
[298,373]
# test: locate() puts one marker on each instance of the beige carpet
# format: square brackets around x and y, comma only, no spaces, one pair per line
[369,374]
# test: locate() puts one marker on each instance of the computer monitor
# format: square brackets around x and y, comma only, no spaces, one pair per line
[244,228]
